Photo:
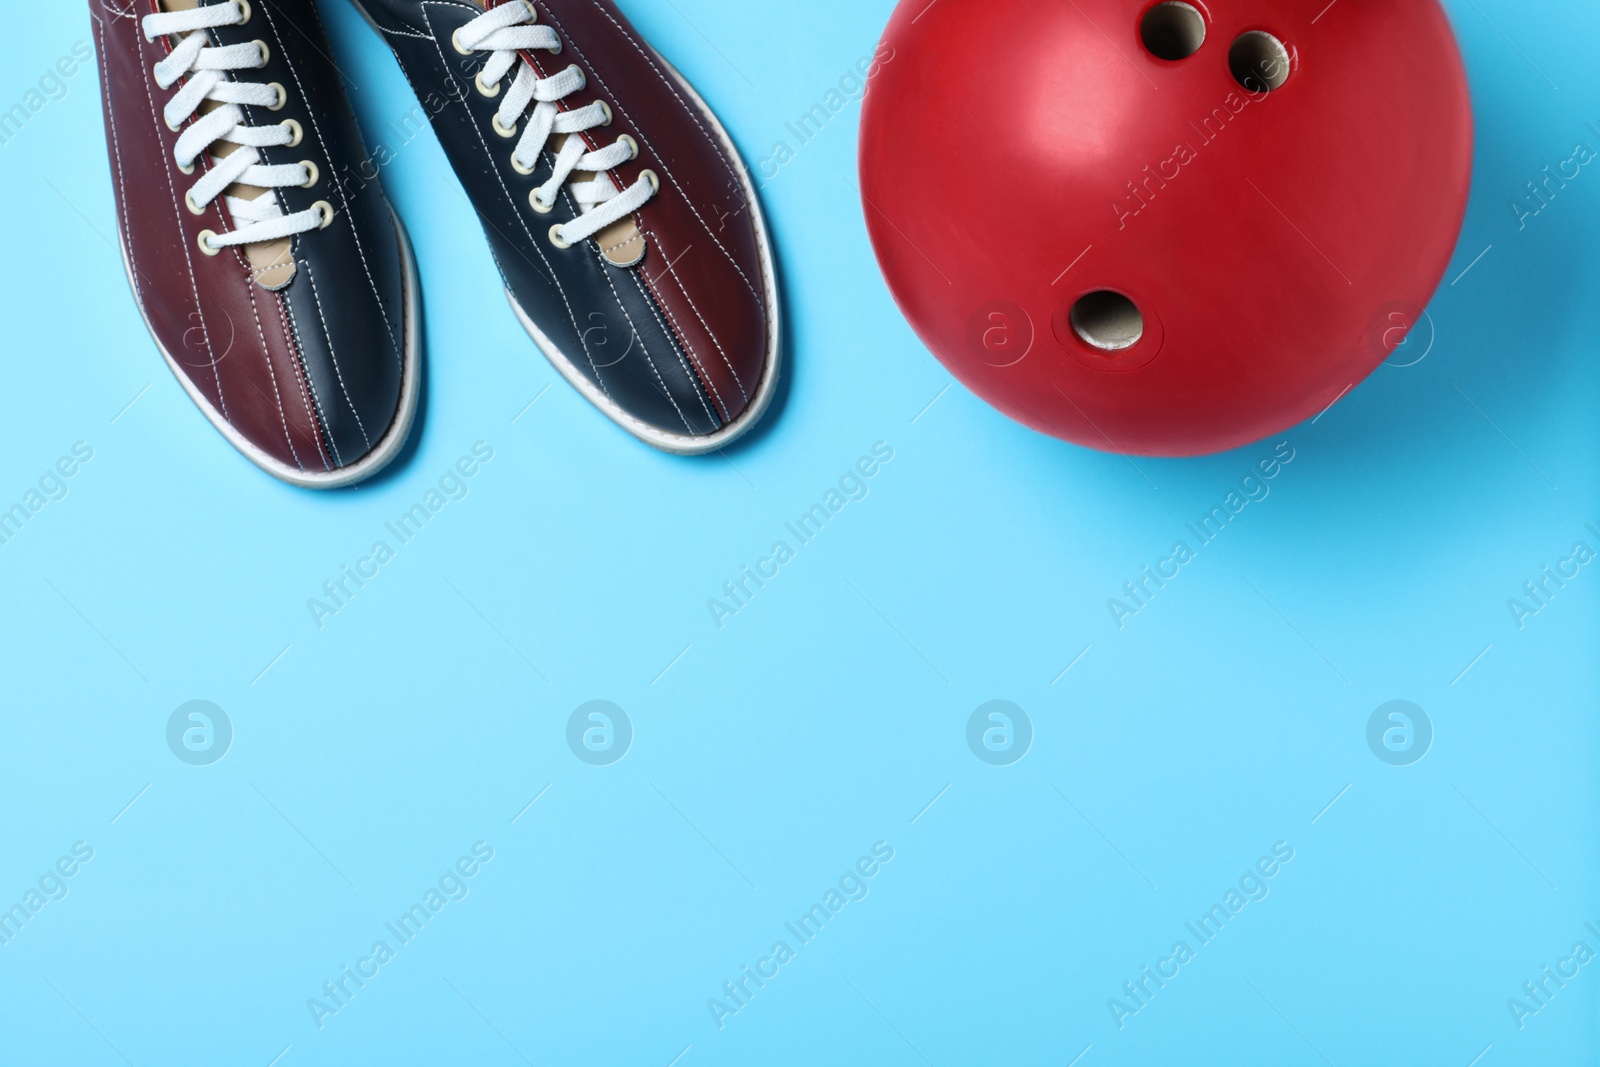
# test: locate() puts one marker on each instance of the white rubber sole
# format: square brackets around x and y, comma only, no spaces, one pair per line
[388,446]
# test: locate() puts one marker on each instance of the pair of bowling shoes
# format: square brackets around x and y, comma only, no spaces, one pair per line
[278,282]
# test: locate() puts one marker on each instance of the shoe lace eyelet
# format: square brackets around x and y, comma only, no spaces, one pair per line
[556,238]
[325,209]
[455,40]
[188,201]
[605,109]
[633,146]
[283,96]
[204,241]
[516,165]
[244,11]
[314,175]
[490,91]
[538,206]
[266,53]
[650,176]
[297,132]
[503,131]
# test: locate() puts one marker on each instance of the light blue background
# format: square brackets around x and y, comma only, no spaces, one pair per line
[770,754]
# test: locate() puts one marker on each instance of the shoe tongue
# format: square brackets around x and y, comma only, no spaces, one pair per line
[270,261]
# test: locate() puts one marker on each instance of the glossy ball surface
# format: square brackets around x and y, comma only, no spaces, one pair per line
[1165,228]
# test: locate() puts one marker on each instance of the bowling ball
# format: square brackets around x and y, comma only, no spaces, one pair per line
[1165,228]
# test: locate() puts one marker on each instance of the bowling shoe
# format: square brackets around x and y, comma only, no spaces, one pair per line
[287,311]
[624,224]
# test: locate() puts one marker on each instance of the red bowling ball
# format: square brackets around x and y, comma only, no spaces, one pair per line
[1165,228]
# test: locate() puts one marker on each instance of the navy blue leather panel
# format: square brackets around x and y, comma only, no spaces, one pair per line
[344,286]
[598,316]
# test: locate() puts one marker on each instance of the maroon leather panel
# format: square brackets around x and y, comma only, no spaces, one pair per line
[703,266]
[229,337]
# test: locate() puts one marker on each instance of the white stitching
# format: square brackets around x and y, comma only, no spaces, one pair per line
[515,210]
[355,231]
[695,308]
[255,311]
[655,311]
[650,360]
[283,416]
[684,338]
[116,145]
[404,33]
[183,241]
[660,159]
[412,31]
[637,238]
[336,372]
[298,368]
[321,419]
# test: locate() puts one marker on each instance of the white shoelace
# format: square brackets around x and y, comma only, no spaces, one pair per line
[207,68]
[503,31]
